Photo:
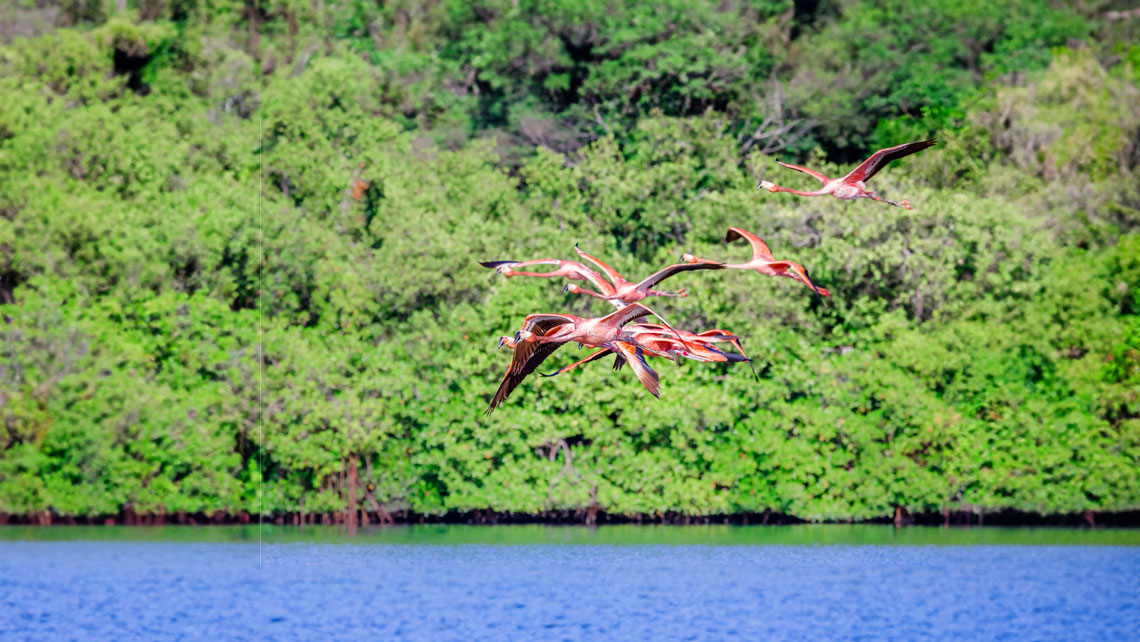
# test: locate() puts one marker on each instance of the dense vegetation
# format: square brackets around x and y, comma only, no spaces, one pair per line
[238,243]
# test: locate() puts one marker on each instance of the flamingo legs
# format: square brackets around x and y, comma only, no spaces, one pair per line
[903,204]
[679,293]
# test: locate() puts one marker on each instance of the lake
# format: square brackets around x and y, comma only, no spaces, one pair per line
[803,582]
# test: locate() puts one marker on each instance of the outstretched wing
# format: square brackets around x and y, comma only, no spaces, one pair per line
[677,268]
[610,272]
[760,249]
[879,159]
[636,359]
[627,314]
[539,262]
[811,172]
[542,323]
[529,354]
[593,277]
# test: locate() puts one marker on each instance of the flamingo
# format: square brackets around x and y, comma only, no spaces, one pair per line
[572,270]
[666,347]
[763,261]
[623,292]
[853,185]
[542,334]
[716,335]
[663,346]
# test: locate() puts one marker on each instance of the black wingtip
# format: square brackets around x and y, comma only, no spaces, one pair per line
[495,264]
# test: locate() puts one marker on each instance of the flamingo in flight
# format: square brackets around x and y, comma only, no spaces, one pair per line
[763,261]
[656,342]
[716,335]
[623,292]
[853,185]
[571,270]
[542,334]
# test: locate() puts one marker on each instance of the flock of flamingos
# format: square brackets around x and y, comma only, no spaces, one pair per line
[616,334]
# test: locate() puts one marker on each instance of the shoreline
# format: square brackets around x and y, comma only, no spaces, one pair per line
[581,517]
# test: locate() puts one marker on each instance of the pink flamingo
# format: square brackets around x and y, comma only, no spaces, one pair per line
[763,261]
[652,337]
[853,185]
[542,334]
[715,335]
[571,270]
[624,292]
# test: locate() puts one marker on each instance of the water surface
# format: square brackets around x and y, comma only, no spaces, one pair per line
[476,583]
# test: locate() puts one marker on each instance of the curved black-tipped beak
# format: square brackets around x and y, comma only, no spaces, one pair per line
[517,337]
[759,186]
[565,289]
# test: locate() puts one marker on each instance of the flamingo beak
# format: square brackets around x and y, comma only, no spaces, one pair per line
[771,187]
[566,289]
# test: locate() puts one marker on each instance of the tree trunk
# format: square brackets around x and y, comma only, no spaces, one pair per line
[352,482]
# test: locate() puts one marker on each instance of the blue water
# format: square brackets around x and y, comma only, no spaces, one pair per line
[305,591]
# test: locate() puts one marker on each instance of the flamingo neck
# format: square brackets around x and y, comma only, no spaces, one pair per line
[517,273]
[592,293]
[799,192]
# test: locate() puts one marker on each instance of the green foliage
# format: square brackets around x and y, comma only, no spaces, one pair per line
[238,245]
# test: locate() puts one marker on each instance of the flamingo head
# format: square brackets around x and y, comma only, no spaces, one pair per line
[523,335]
[906,205]
[572,288]
[796,271]
[799,273]
[506,341]
[771,187]
[689,258]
